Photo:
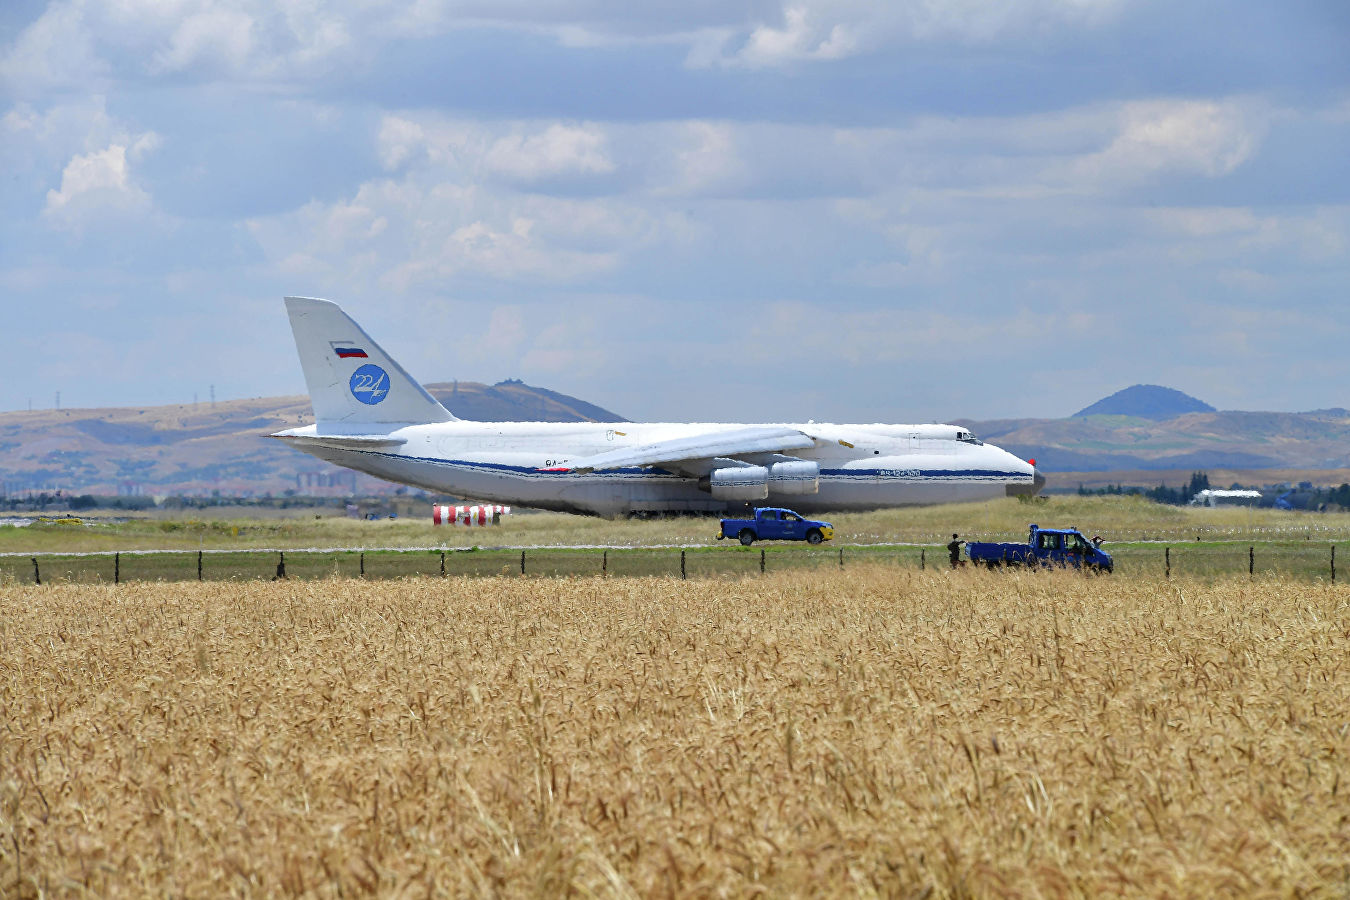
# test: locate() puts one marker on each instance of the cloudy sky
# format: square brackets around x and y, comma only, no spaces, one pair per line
[684,209]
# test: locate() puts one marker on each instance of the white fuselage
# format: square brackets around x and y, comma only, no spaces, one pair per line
[861,466]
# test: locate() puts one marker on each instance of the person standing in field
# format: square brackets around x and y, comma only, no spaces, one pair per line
[954,550]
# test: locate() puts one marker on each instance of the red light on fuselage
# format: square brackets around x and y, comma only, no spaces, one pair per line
[1032,461]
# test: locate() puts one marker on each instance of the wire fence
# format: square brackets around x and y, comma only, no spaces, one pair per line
[1300,560]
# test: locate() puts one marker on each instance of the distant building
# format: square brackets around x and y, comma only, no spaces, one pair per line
[333,481]
[1226,498]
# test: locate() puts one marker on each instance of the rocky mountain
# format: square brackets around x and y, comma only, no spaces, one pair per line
[201,448]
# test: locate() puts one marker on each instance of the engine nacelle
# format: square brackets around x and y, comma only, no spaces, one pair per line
[738,483]
[797,476]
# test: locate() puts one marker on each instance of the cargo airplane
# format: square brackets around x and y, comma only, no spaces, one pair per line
[372,416]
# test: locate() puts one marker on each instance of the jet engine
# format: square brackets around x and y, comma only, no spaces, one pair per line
[794,476]
[737,483]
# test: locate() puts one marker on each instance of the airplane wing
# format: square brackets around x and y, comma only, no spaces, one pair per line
[763,439]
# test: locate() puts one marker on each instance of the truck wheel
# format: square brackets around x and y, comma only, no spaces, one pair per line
[814,536]
[747,537]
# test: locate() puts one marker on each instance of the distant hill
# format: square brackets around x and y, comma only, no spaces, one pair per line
[515,401]
[1146,401]
[1244,440]
[200,448]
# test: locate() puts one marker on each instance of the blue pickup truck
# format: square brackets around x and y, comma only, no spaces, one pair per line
[1044,547]
[774,524]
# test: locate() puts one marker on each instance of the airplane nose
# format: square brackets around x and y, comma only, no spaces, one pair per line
[1028,490]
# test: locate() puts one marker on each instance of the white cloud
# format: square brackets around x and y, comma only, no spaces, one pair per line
[798,39]
[399,140]
[927,198]
[570,346]
[76,41]
[220,38]
[706,158]
[868,337]
[557,150]
[99,184]
[822,30]
[1242,236]
[423,230]
[518,152]
[1206,138]
[55,51]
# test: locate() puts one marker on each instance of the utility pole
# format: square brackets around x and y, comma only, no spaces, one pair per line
[213,396]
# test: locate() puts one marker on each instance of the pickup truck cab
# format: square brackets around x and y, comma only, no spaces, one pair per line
[775,524]
[1044,547]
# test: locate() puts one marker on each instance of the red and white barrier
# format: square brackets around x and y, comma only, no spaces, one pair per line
[482,514]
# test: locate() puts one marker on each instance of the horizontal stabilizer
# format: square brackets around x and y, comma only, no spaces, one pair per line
[758,439]
[341,441]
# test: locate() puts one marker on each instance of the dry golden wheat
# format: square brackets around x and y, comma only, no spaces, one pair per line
[872,731]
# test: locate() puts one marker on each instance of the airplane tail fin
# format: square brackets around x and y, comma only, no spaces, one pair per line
[351,380]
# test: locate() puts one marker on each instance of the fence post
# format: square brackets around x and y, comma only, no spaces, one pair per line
[522,562]
[1333,563]
[604,564]
[841,557]
[117,568]
[1167,558]
[442,563]
[683,576]
[1251,561]
[363,563]
[761,562]
[923,559]
[37,576]
[199,565]
[281,565]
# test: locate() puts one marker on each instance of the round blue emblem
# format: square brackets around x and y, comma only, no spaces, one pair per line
[369,384]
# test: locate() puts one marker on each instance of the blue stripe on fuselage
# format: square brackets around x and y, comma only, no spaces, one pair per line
[629,471]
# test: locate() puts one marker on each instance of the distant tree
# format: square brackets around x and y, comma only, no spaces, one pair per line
[84,501]
[1199,482]
[1171,496]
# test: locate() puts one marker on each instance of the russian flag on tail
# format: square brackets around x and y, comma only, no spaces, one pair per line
[350,353]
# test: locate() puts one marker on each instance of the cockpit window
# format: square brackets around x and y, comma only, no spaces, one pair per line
[966,437]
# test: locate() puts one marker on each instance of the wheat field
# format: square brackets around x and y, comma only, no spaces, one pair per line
[863,732]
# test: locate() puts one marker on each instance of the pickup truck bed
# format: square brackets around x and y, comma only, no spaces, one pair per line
[1044,547]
